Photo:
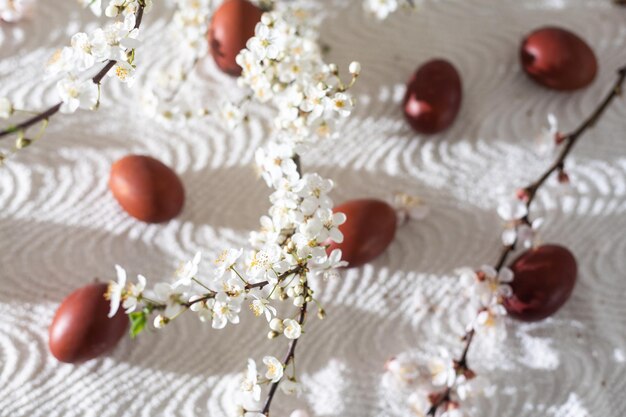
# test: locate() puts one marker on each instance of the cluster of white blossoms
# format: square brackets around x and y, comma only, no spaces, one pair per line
[283,66]
[488,288]
[15,10]
[381,9]
[422,381]
[189,28]
[290,249]
[190,24]
[518,230]
[88,54]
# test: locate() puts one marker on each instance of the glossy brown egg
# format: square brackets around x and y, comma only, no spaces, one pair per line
[544,280]
[81,329]
[369,229]
[147,189]
[433,97]
[233,23]
[557,58]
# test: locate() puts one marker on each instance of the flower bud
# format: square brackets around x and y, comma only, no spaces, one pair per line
[276,324]
[160,321]
[355,68]
[298,301]
[22,143]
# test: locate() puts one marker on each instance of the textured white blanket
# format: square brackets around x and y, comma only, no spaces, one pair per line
[60,227]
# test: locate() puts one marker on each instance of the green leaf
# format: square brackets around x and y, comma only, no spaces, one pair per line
[138,322]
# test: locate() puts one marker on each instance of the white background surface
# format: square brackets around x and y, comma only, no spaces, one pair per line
[60,227]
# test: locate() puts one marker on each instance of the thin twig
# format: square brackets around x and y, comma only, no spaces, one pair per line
[291,353]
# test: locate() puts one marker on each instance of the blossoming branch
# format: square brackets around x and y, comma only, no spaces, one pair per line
[107,51]
[282,65]
[453,380]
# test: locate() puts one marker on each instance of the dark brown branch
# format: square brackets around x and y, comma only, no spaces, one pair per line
[569,141]
[46,114]
[288,358]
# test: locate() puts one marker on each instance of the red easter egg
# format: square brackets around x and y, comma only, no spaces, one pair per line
[557,58]
[147,189]
[233,23]
[433,97]
[81,329]
[369,229]
[544,281]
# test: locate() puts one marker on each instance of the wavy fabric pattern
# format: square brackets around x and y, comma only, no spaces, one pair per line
[60,228]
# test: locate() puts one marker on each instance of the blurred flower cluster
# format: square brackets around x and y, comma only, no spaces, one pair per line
[89,54]
[283,66]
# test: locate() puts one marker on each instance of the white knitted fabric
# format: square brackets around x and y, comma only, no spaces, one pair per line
[60,226]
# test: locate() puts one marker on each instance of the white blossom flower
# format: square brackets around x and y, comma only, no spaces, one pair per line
[133,293]
[512,210]
[490,322]
[524,234]
[14,10]
[274,369]
[276,324]
[266,43]
[231,115]
[266,263]
[94,5]
[226,260]
[442,370]
[225,310]
[341,103]
[166,294]
[250,383]
[419,402]
[261,306]
[116,289]
[496,284]
[77,94]
[489,286]
[83,57]
[404,370]
[299,413]
[188,271]
[114,8]
[6,108]
[547,141]
[276,162]
[332,263]
[380,8]
[290,387]
[355,68]
[160,321]
[293,330]
[124,72]
[202,306]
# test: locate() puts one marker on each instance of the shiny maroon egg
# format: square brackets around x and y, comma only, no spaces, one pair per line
[147,189]
[369,229]
[233,23]
[433,97]
[544,281]
[557,58]
[81,329]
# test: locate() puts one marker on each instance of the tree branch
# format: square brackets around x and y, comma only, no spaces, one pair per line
[46,114]
[569,141]
[288,358]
